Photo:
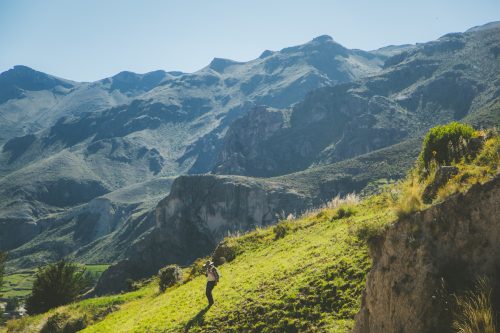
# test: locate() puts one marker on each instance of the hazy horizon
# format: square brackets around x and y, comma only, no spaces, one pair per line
[91,40]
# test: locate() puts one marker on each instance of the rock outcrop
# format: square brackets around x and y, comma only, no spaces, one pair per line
[449,244]
[195,216]
[242,152]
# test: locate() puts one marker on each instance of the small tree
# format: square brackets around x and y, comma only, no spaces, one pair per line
[3,257]
[57,284]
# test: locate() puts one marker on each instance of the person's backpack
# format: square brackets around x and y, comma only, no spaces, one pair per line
[216,273]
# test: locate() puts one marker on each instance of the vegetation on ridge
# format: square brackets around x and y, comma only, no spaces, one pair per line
[2,268]
[446,144]
[305,274]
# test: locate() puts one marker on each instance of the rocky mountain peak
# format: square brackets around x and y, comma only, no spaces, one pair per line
[27,78]
[323,39]
[19,78]
[490,25]
[266,54]
[220,64]
[129,81]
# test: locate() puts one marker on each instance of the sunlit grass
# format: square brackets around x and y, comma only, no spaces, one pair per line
[306,274]
[475,311]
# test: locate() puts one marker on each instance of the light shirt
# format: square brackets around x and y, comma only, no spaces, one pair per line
[211,275]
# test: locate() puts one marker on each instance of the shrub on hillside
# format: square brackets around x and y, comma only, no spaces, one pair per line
[280,230]
[132,285]
[223,253]
[490,154]
[369,231]
[57,284]
[196,269]
[168,276]
[63,323]
[2,267]
[446,144]
[342,212]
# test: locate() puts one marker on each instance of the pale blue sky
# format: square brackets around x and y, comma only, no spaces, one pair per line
[86,40]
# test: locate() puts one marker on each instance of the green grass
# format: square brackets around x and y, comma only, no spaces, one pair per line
[306,275]
[311,279]
[90,309]
[95,271]
[17,284]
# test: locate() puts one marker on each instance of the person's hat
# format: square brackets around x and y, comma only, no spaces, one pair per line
[208,263]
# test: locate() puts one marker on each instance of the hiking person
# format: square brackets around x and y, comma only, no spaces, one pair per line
[212,279]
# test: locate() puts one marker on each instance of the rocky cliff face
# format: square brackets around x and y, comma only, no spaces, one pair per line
[242,151]
[449,244]
[217,205]
[196,215]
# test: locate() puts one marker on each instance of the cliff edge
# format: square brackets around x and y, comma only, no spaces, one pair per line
[436,252]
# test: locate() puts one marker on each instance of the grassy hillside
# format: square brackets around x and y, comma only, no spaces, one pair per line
[305,274]
[311,278]
[18,284]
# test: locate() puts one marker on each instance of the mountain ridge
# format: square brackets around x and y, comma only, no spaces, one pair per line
[180,127]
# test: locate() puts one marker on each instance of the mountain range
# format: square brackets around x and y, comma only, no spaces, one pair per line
[86,167]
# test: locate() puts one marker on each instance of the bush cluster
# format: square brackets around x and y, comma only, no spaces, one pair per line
[168,276]
[280,230]
[446,144]
[63,323]
[342,212]
[224,252]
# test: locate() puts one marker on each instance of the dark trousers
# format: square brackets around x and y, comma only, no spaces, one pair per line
[210,286]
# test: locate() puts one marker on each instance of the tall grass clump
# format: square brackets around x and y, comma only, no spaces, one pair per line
[346,204]
[409,198]
[474,310]
[350,199]
[490,154]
